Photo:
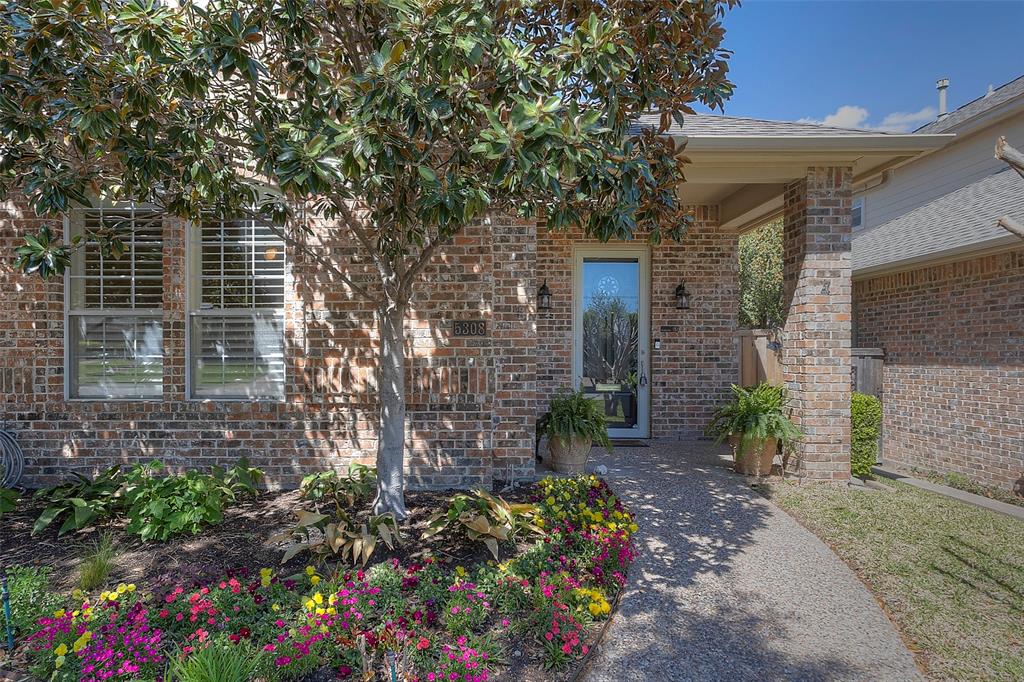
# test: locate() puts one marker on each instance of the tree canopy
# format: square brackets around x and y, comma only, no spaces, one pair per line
[397,121]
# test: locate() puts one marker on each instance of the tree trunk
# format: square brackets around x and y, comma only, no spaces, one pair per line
[391,392]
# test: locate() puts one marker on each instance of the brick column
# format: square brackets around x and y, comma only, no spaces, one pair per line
[817,330]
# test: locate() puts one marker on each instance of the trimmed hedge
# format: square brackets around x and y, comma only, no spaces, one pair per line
[866,418]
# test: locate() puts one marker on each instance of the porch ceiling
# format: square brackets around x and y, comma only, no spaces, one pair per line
[747,174]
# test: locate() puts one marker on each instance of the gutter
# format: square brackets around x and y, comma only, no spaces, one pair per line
[892,144]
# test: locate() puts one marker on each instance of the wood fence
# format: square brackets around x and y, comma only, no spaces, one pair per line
[759,357]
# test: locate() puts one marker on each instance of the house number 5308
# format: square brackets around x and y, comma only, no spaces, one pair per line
[470,328]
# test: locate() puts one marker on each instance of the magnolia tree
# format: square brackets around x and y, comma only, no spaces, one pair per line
[394,122]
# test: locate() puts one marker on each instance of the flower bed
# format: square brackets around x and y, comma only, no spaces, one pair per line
[423,619]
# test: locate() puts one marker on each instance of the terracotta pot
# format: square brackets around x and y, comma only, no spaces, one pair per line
[569,456]
[758,457]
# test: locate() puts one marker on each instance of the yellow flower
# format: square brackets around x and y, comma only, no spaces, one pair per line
[331,611]
[103,595]
[315,579]
[633,528]
[310,570]
[318,598]
[275,608]
[60,613]
[309,604]
[460,570]
[122,588]
[59,662]
[266,573]
[61,650]
[332,600]
[550,501]
[131,587]
[264,582]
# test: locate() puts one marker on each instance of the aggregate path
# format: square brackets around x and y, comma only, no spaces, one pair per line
[729,587]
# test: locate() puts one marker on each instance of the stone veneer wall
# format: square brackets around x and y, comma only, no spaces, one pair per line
[953,380]
[471,400]
[698,360]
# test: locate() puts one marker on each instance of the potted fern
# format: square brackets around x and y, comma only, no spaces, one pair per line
[573,424]
[755,422]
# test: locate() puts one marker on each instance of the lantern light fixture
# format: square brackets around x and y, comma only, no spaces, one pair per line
[682,297]
[544,297]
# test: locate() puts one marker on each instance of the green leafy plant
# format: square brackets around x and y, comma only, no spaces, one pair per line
[31,597]
[484,517]
[218,661]
[96,564]
[343,490]
[9,498]
[81,502]
[340,535]
[760,256]
[159,507]
[575,414]
[866,425]
[755,414]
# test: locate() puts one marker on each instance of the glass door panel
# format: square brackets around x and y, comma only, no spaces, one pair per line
[610,340]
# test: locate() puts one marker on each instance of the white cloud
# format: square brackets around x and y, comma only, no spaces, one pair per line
[904,122]
[846,116]
[853,116]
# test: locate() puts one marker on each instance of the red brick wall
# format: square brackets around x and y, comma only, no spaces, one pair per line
[471,400]
[816,334]
[691,374]
[953,380]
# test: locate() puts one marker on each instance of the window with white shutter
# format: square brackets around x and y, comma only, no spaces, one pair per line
[114,334]
[236,320]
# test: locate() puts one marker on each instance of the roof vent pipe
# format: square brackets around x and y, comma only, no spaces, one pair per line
[942,85]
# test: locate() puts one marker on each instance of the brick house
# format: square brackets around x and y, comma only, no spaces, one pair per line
[940,287]
[206,343]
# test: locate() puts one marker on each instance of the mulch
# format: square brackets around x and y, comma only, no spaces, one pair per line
[243,540]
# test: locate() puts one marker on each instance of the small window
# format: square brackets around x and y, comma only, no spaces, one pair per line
[237,311]
[857,212]
[115,307]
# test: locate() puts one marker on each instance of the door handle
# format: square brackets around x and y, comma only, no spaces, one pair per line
[643,374]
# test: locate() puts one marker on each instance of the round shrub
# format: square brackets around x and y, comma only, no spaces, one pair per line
[866,418]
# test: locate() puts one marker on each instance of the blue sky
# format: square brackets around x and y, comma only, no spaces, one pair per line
[868,63]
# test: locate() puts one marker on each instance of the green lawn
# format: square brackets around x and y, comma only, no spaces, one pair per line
[950,575]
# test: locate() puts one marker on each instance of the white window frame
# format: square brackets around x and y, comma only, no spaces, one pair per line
[74,223]
[195,308]
[858,202]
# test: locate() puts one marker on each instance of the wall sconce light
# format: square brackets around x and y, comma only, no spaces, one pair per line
[682,297]
[544,297]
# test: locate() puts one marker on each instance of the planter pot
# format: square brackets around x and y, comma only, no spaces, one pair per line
[569,456]
[757,460]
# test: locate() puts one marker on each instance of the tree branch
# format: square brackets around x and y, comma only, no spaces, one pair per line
[1013,157]
[312,253]
[1011,226]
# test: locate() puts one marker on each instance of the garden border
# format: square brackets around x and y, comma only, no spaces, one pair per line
[587,659]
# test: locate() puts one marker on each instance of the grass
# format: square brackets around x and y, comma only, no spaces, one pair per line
[96,564]
[951,575]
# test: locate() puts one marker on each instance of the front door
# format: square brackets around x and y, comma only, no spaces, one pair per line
[611,326]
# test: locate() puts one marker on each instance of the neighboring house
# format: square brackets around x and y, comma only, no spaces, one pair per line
[940,287]
[205,343]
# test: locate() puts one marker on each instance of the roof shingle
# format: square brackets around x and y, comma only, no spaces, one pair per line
[1002,94]
[714,125]
[961,219]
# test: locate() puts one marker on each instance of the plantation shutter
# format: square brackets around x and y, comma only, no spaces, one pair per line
[237,322]
[115,306]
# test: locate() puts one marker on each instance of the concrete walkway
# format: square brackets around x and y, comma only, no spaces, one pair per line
[729,587]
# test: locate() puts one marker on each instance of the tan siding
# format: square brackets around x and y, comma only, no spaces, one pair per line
[961,163]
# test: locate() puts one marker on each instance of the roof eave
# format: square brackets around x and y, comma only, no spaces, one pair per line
[844,144]
[957,253]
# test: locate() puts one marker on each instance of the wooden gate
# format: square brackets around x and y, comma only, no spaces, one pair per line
[759,357]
